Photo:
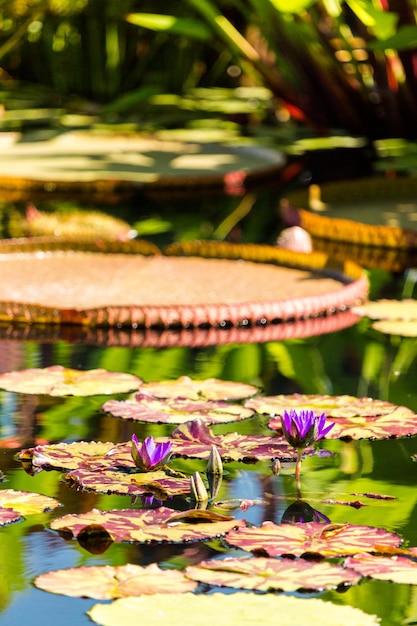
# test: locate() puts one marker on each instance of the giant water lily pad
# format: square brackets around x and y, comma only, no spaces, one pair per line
[145,526]
[354,418]
[219,284]
[397,569]
[239,608]
[7,516]
[57,380]
[80,161]
[208,389]
[109,582]
[311,538]
[369,211]
[267,574]
[146,408]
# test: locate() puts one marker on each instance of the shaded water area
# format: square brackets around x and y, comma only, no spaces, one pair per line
[356,360]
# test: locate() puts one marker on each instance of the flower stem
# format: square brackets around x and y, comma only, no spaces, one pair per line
[298,464]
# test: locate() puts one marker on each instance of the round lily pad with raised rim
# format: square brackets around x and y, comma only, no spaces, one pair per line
[102,163]
[190,285]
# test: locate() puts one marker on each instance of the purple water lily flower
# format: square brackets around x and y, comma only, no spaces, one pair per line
[303,429]
[149,455]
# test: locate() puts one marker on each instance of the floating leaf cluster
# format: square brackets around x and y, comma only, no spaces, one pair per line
[297,555]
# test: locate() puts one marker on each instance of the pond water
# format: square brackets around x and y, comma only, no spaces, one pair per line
[355,360]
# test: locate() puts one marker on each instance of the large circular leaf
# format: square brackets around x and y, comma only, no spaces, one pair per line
[311,537]
[208,389]
[107,582]
[354,418]
[265,574]
[397,569]
[145,526]
[147,408]
[57,380]
[225,610]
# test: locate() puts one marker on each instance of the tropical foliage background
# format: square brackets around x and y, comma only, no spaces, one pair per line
[329,65]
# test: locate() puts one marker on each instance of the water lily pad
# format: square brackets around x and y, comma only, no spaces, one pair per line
[146,408]
[208,389]
[236,284]
[354,418]
[68,456]
[7,516]
[145,526]
[227,609]
[26,502]
[105,480]
[108,582]
[62,381]
[195,439]
[395,317]
[265,574]
[311,537]
[396,569]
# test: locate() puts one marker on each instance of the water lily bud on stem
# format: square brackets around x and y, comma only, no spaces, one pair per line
[197,488]
[214,463]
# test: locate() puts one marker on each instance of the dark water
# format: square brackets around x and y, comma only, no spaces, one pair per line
[355,360]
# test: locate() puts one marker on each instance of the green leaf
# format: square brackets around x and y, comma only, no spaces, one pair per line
[404,39]
[292,6]
[186,27]
[382,23]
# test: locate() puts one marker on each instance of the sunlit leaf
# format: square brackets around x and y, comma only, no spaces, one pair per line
[226,609]
[209,389]
[147,408]
[145,526]
[311,537]
[76,225]
[108,582]
[265,574]
[61,381]
[105,480]
[7,516]
[397,569]
[405,310]
[68,456]
[26,502]
[186,27]
[354,418]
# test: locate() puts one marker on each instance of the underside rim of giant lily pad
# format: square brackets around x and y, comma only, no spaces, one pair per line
[78,285]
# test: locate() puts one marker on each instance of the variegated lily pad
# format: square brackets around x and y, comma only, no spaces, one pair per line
[146,408]
[209,389]
[311,537]
[159,482]
[194,439]
[265,574]
[396,569]
[108,582]
[105,468]
[7,516]
[354,418]
[145,526]
[26,502]
[62,381]
[226,609]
